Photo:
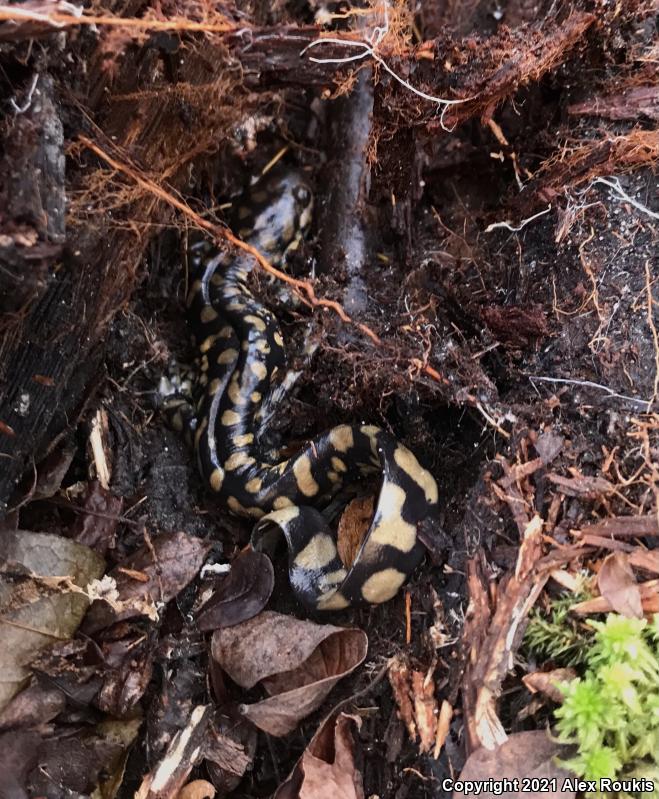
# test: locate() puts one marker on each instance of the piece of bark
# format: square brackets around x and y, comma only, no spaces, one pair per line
[624,526]
[186,749]
[628,104]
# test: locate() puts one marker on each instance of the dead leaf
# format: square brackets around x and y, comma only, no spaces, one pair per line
[128,666]
[239,596]
[74,667]
[34,705]
[548,445]
[33,613]
[352,528]
[646,559]
[52,470]
[18,756]
[124,733]
[170,561]
[97,520]
[229,750]
[197,789]
[547,682]
[298,663]
[618,586]
[649,600]
[327,768]
[72,765]
[524,755]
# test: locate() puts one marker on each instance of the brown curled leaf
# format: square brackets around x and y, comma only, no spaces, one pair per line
[42,598]
[353,526]
[327,768]
[229,750]
[36,704]
[618,585]
[547,682]
[298,663]
[169,563]
[240,595]
[528,754]
[96,524]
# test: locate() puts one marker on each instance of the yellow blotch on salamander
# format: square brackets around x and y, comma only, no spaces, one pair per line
[241,510]
[382,585]
[409,464]
[237,459]
[282,502]
[234,391]
[390,527]
[318,553]
[254,485]
[243,440]
[255,321]
[339,465]
[258,369]
[228,356]
[304,478]
[208,314]
[341,438]
[216,479]
[335,601]
[207,343]
[229,418]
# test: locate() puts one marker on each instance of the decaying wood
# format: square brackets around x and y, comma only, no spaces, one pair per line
[344,217]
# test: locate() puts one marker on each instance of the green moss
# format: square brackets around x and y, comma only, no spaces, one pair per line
[611,713]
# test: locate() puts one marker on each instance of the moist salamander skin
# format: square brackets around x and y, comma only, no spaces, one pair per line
[240,355]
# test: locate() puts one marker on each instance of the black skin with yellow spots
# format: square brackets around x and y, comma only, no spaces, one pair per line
[240,351]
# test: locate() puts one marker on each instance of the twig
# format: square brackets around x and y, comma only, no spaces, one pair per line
[590,384]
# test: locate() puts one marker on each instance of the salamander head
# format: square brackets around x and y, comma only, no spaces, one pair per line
[280,213]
